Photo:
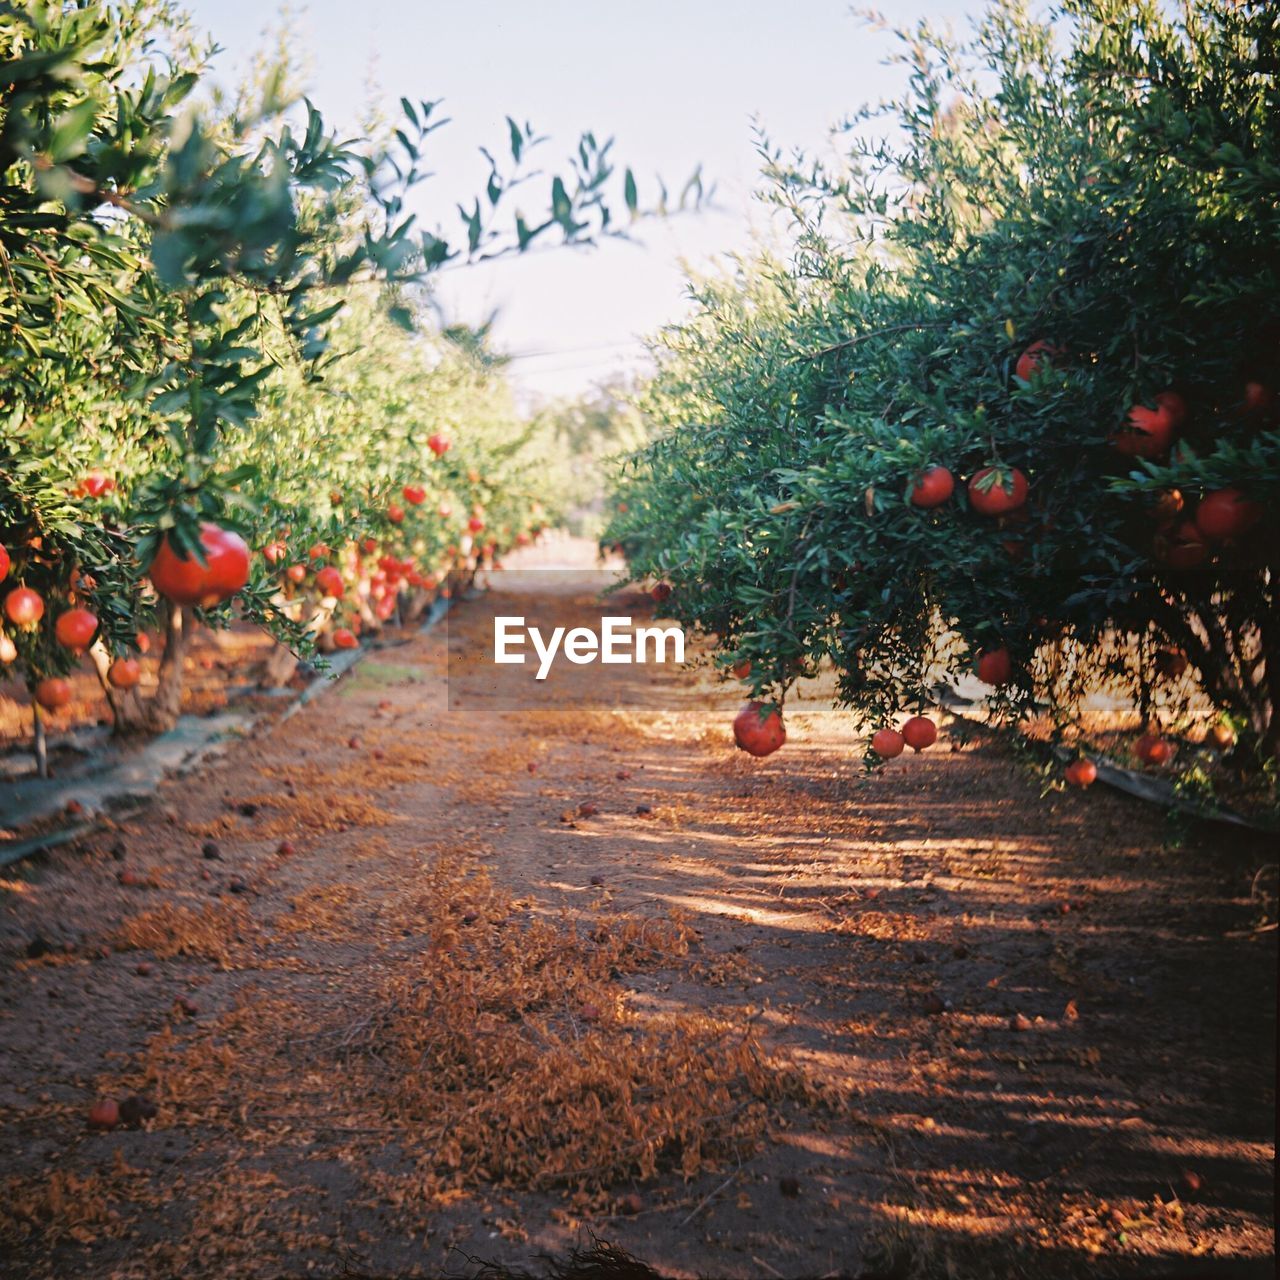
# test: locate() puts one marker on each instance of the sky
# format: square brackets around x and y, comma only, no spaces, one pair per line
[676,84]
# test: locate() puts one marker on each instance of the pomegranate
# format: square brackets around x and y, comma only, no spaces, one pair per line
[52,693]
[395,514]
[75,629]
[887,743]
[23,607]
[274,552]
[104,1114]
[1226,513]
[741,670]
[661,592]
[96,483]
[8,650]
[1182,547]
[994,666]
[919,732]
[5,562]
[124,673]
[414,494]
[1039,355]
[296,573]
[1221,736]
[995,491]
[1082,773]
[184,580]
[1151,748]
[476,524]
[1259,399]
[933,488]
[758,729]
[1150,432]
[329,580]
[344,639]
[438,444]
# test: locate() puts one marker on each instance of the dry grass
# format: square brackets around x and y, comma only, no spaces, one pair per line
[218,932]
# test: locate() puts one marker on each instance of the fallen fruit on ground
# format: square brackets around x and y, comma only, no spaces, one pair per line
[104,1114]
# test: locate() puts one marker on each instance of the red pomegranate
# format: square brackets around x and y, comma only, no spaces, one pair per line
[329,580]
[1039,355]
[414,494]
[887,743]
[23,607]
[52,693]
[933,488]
[919,732]
[5,562]
[124,673]
[1182,547]
[994,666]
[995,491]
[1151,748]
[1149,432]
[344,639]
[75,629]
[184,580]
[438,444]
[395,514]
[1082,773]
[758,729]
[1226,513]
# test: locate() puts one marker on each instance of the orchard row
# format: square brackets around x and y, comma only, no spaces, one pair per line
[1008,406]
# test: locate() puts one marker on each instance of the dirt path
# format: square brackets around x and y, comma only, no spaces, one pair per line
[539,961]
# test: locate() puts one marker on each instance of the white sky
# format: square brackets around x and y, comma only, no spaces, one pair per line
[675,82]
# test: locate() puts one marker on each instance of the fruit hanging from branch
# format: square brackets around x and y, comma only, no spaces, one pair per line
[52,693]
[184,580]
[124,674]
[1082,773]
[919,732]
[888,744]
[933,488]
[994,666]
[24,607]
[758,729]
[995,491]
[75,629]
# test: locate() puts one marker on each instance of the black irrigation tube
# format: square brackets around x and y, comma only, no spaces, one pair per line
[336,670]
[1139,785]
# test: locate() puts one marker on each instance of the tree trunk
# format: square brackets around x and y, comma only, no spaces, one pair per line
[39,744]
[159,713]
[126,706]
